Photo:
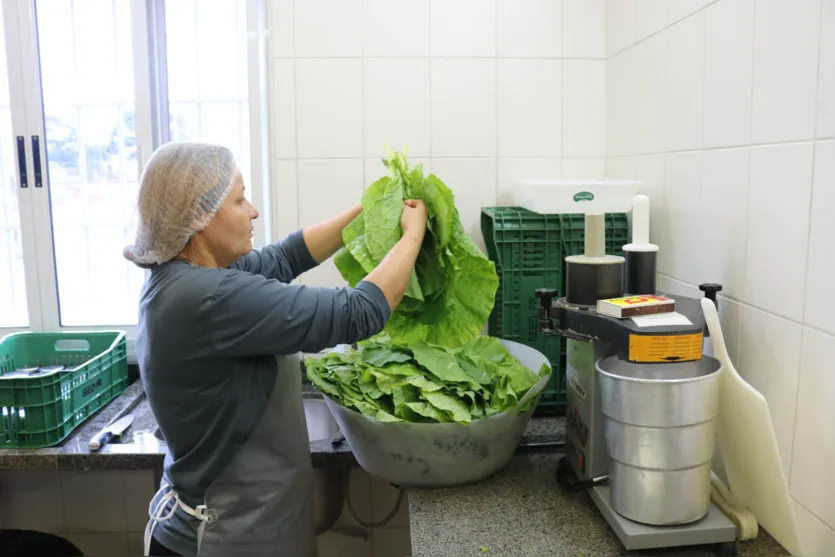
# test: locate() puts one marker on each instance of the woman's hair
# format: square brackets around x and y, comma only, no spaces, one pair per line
[180,191]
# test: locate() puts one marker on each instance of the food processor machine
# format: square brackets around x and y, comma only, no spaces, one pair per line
[669,344]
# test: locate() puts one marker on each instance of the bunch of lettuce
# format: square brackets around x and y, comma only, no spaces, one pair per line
[453,287]
[424,383]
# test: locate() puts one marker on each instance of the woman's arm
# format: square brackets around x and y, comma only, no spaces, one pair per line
[284,260]
[251,315]
[299,252]
[324,239]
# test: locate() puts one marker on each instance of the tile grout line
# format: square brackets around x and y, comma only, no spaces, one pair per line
[461,157]
[445,57]
[296,115]
[808,247]
[431,84]
[496,93]
[743,303]
[363,126]
[64,526]
[663,29]
[749,184]
[729,147]
[562,88]
[813,513]
[123,481]
[496,100]
[704,77]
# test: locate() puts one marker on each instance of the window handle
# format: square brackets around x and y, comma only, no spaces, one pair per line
[21,161]
[36,159]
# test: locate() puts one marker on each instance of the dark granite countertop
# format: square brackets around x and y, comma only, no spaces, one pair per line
[141,450]
[522,511]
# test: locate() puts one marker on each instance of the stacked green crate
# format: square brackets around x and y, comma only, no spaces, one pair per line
[529,250]
[39,406]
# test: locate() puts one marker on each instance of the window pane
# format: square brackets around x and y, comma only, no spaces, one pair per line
[207,74]
[12,284]
[89,115]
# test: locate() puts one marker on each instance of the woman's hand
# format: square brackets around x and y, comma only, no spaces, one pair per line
[393,273]
[413,220]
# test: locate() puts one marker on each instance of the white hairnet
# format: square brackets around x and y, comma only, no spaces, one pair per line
[181,189]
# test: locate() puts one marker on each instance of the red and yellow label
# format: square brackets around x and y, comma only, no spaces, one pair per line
[637,300]
[665,348]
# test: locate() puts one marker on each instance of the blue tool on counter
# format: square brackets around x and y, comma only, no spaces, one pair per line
[106,435]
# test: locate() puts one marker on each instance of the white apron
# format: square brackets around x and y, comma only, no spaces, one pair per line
[261,505]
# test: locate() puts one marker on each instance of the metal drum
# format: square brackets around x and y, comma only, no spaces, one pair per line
[660,429]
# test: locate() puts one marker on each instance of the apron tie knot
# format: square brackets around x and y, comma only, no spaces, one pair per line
[158,513]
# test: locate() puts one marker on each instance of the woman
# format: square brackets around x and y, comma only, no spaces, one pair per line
[219,333]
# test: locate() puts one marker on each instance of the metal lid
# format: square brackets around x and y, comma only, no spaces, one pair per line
[677,372]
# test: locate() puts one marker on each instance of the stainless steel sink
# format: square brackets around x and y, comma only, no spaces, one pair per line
[329,483]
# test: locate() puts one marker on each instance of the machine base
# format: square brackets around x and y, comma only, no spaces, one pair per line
[715,528]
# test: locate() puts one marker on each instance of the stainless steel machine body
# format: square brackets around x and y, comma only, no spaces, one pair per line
[640,461]
[660,431]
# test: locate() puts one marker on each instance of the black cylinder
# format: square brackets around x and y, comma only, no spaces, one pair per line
[586,283]
[640,271]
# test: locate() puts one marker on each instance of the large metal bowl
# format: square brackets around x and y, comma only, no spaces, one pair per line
[660,429]
[438,455]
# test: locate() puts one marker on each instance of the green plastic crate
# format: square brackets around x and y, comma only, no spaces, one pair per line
[519,239]
[41,410]
[527,250]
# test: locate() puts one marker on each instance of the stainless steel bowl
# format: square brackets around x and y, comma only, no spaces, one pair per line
[660,429]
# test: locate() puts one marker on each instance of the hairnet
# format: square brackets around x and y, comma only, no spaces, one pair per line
[180,191]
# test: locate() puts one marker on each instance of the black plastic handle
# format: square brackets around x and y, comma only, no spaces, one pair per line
[36,160]
[21,161]
[545,295]
[711,289]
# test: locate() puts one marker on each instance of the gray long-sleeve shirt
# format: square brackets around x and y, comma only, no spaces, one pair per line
[206,342]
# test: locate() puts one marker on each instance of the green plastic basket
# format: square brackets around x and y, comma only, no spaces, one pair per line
[529,251]
[42,408]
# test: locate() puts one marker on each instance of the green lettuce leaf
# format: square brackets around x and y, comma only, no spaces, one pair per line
[424,383]
[453,287]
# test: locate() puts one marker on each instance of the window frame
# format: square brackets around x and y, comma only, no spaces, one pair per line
[152,130]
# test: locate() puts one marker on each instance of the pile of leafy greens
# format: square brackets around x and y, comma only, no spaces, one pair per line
[430,365]
[424,383]
[453,288]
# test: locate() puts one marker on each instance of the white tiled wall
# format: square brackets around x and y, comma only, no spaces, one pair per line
[480,91]
[725,110]
[372,501]
[101,512]
[105,512]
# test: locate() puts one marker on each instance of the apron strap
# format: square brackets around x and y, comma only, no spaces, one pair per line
[158,513]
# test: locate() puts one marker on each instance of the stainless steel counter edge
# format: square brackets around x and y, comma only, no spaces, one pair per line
[141,450]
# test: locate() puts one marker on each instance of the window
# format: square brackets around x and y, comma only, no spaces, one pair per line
[14,312]
[88,89]
[89,108]
[208,96]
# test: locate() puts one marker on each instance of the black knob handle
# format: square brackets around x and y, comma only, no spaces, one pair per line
[710,289]
[546,296]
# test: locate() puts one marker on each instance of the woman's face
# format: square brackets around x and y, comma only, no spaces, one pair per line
[228,237]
